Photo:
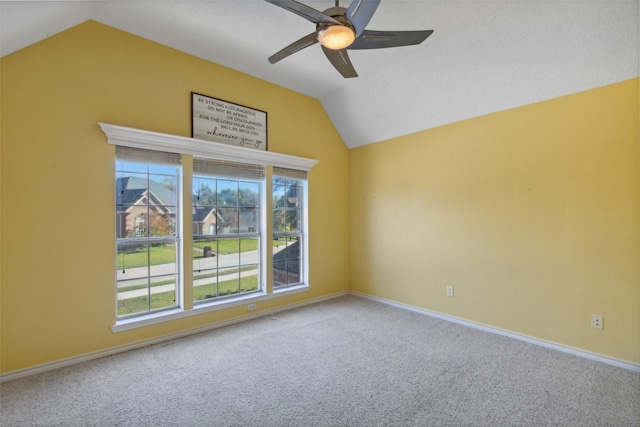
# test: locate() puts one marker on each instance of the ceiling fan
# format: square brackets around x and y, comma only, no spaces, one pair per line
[339,29]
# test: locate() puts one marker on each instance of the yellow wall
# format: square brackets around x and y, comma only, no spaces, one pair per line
[532,214]
[57,296]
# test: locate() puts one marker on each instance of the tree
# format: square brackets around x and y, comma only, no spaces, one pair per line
[204,196]
[286,204]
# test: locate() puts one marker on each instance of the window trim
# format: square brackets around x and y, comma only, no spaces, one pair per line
[137,138]
[303,232]
[154,157]
[179,313]
[148,140]
[262,277]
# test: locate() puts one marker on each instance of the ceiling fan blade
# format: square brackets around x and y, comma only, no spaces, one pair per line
[305,11]
[294,47]
[381,39]
[340,60]
[360,13]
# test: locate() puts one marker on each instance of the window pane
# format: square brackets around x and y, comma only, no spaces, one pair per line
[162,259]
[227,193]
[205,269]
[279,220]
[287,261]
[132,260]
[223,264]
[249,279]
[162,190]
[249,220]
[229,283]
[279,274]
[147,270]
[131,221]
[249,194]
[205,255]
[231,268]
[249,251]
[168,170]
[133,296]
[287,202]
[229,253]
[130,187]
[293,247]
[143,295]
[162,221]
[228,220]
[131,205]
[123,165]
[293,271]
[278,196]
[287,218]
[292,219]
[205,220]
[163,292]
[204,191]
[205,286]
[293,196]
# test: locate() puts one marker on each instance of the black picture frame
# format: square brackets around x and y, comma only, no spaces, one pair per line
[217,120]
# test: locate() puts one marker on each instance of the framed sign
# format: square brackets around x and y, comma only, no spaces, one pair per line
[221,121]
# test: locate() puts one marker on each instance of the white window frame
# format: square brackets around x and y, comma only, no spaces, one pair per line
[174,162]
[302,233]
[137,138]
[240,173]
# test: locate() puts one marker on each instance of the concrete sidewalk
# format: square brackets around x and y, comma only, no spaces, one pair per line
[220,261]
[171,287]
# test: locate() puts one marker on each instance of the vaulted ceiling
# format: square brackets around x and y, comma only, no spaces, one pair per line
[483,57]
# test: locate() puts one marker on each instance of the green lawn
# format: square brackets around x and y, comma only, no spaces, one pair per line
[140,257]
[167,299]
[195,277]
[166,253]
[224,246]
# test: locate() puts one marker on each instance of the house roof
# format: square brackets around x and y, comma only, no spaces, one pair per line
[484,56]
[131,189]
[200,213]
[291,252]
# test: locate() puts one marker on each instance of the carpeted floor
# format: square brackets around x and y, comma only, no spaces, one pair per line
[344,362]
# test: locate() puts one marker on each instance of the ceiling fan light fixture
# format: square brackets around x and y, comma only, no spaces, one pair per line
[336,37]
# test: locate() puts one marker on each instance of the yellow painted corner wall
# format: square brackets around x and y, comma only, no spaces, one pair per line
[532,214]
[57,178]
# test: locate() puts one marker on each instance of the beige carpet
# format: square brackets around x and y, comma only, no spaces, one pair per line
[344,362]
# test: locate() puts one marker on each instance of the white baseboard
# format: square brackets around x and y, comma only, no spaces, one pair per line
[22,373]
[576,352]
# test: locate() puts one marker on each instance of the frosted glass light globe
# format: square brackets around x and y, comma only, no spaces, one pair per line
[336,37]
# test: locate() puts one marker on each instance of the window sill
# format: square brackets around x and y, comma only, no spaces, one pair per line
[169,315]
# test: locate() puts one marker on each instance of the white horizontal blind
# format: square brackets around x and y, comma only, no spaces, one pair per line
[290,173]
[147,156]
[227,169]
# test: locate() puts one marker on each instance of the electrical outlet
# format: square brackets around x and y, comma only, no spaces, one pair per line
[596,321]
[449,291]
[251,307]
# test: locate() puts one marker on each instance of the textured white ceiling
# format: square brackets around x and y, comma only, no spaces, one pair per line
[484,56]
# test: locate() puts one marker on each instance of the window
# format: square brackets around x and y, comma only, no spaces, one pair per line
[147,261]
[288,226]
[228,242]
[227,203]
[141,229]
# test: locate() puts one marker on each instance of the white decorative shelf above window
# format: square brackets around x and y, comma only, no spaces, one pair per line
[130,137]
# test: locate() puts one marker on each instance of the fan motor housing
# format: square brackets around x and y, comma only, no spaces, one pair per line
[340,18]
